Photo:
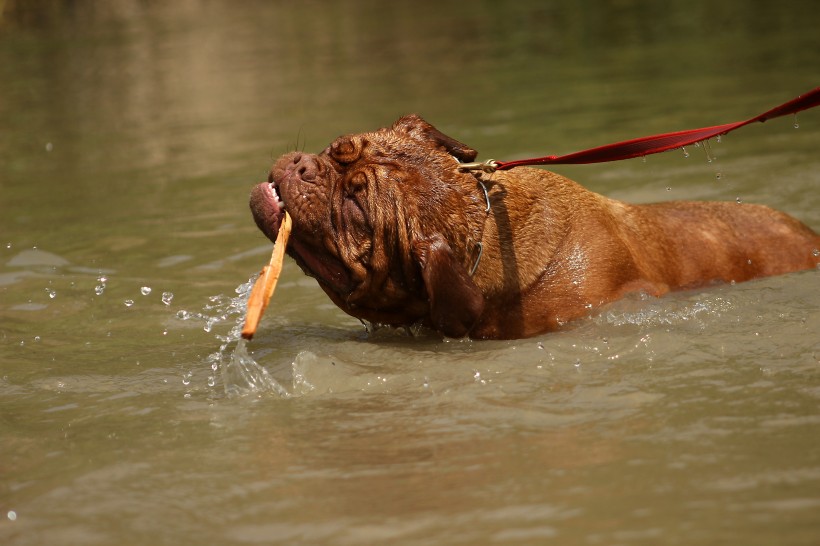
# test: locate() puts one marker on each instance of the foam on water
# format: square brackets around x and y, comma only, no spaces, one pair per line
[664,312]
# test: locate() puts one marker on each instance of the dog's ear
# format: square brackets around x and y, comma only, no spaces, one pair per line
[456,303]
[421,130]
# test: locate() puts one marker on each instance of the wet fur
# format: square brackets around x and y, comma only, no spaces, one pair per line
[391,229]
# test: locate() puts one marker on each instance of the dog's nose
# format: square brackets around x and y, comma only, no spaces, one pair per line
[304,165]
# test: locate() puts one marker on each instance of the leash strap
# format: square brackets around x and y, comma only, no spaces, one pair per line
[651,144]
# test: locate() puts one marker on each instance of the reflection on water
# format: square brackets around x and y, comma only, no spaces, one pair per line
[131,135]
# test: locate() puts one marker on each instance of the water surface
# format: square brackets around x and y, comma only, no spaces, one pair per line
[131,135]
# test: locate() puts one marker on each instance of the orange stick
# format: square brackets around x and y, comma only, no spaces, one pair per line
[266,283]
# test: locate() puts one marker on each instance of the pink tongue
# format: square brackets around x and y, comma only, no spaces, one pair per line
[266,210]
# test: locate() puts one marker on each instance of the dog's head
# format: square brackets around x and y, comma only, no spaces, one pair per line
[385,222]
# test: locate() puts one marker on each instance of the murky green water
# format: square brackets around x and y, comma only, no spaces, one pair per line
[130,135]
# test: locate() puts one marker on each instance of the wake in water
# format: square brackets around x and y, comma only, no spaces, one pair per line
[240,373]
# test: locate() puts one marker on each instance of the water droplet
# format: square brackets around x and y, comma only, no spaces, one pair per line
[99,289]
[102,278]
[209,324]
[211,381]
[707,150]
[796,124]
[540,345]
[12,515]
[685,153]
[718,175]
[186,378]
[51,293]
[739,200]
[129,303]
[183,314]
[577,363]
[643,158]
[668,188]
[8,245]
[167,297]
[36,338]
[816,252]
[145,290]
[717,138]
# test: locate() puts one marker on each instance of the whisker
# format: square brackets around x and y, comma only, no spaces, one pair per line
[303,137]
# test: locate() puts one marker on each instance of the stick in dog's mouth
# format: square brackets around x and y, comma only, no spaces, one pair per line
[266,283]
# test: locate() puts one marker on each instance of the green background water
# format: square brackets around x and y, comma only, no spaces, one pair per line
[130,135]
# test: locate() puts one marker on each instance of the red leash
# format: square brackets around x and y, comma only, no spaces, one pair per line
[652,144]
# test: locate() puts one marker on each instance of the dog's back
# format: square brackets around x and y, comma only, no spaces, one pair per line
[688,244]
[592,250]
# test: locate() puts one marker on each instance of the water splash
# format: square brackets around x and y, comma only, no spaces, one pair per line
[241,375]
[700,312]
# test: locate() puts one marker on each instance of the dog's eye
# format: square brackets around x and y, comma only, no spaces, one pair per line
[346,150]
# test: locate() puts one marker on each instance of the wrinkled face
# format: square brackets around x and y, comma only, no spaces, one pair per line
[369,212]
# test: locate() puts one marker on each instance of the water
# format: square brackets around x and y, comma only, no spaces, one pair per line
[131,137]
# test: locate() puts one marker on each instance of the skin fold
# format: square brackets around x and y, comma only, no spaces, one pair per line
[395,234]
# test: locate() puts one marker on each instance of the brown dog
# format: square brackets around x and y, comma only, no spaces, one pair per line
[396,234]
